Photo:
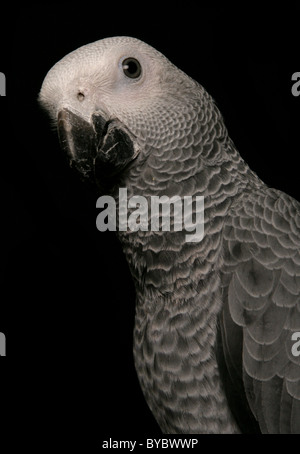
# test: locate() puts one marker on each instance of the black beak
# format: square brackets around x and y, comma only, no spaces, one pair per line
[100,150]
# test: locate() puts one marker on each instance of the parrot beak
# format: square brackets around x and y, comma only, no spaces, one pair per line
[99,150]
[77,139]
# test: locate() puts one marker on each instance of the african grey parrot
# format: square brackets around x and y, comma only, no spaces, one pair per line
[213,343]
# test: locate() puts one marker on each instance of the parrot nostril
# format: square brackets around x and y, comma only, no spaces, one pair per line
[80,96]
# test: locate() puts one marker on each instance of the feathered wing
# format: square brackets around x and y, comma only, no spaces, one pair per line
[261,311]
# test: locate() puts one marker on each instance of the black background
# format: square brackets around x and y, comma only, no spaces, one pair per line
[67,299]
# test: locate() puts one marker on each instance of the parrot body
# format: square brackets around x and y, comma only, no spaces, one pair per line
[214,318]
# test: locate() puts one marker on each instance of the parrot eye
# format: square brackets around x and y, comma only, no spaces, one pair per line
[131,68]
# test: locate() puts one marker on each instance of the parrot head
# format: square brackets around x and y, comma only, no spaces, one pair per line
[116,100]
